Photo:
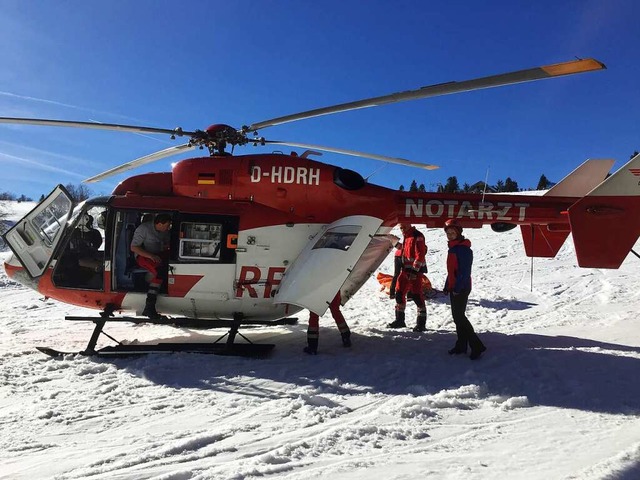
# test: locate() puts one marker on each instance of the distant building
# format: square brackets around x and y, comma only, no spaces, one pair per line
[481,187]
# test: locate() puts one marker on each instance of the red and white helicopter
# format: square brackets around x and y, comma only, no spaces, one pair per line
[257,238]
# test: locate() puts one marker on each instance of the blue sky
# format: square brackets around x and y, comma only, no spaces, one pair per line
[195,63]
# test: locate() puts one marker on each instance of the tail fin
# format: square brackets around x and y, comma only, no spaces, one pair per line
[582,180]
[606,223]
[546,240]
[540,241]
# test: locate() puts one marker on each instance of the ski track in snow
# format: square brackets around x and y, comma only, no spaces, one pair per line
[555,396]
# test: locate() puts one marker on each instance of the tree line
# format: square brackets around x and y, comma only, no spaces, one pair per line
[508,185]
[79,193]
[453,186]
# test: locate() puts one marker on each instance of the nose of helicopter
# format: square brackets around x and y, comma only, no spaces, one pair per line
[12,266]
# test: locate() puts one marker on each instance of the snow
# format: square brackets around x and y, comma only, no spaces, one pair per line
[15,210]
[556,395]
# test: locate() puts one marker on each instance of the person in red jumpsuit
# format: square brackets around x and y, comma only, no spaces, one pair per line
[397,268]
[414,250]
[313,331]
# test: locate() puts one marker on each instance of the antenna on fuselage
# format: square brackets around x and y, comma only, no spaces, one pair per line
[484,190]
[366,179]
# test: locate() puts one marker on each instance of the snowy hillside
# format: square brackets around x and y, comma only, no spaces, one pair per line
[556,395]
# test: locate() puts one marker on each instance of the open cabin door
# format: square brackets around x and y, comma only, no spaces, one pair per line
[34,238]
[324,264]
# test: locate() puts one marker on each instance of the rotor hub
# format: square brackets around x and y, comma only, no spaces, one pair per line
[216,138]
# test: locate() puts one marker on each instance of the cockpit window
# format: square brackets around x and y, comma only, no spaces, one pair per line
[50,220]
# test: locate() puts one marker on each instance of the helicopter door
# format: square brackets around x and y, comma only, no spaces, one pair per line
[325,263]
[34,238]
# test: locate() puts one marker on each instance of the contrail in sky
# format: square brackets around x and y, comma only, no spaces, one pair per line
[15,159]
[60,104]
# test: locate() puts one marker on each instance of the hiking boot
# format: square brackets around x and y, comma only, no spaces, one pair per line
[152,314]
[150,307]
[457,351]
[421,324]
[475,354]
[346,339]
[312,346]
[399,322]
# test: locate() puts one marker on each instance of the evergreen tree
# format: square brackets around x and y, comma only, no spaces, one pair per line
[499,186]
[452,185]
[510,185]
[543,183]
[41,198]
[466,187]
[413,187]
[633,154]
[421,188]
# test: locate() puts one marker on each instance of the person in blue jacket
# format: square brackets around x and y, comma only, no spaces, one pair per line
[458,285]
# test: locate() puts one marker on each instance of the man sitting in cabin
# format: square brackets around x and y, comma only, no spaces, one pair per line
[84,244]
[150,244]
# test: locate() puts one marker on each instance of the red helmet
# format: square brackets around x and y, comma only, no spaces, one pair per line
[453,223]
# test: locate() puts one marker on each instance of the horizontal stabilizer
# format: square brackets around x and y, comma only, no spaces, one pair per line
[606,223]
[582,180]
[542,241]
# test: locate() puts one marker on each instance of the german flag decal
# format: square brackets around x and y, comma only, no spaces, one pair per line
[206,179]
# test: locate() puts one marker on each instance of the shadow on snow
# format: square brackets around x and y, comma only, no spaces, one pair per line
[558,371]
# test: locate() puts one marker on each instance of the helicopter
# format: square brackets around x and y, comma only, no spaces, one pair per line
[254,239]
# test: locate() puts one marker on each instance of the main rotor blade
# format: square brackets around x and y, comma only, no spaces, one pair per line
[354,153]
[97,126]
[538,73]
[167,152]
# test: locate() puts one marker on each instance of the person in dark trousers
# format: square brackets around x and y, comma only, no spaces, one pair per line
[458,285]
[150,243]
[313,331]
[397,268]
[414,266]
[86,240]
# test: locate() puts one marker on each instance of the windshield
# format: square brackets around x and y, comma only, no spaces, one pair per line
[49,221]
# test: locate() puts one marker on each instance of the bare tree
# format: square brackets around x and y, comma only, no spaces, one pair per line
[79,193]
[4,224]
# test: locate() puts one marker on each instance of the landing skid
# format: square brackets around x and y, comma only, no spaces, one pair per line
[229,347]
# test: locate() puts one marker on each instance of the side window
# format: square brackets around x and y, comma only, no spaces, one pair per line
[200,241]
[339,238]
[204,238]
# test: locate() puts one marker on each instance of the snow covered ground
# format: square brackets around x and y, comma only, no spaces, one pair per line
[556,395]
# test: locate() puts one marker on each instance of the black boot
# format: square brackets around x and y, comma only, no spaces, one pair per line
[421,324]
[475,354]
[150,308]
[459,348]
[399,323]
[346,338]
[312,346]
[477,347]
